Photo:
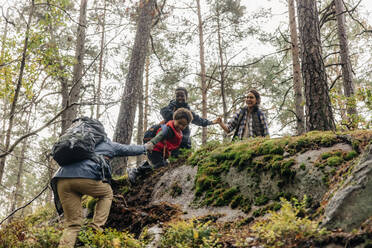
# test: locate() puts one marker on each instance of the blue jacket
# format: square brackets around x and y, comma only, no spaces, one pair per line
[91,169]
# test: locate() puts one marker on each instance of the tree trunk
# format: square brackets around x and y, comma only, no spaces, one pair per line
[147,110]
[202,72]
[101,65]
[4,73]
[124,126]
[74,95]
[319,114]
[222,65]
[347,73]
[21,161]
[16,92]
[140,122]
[297,79]
[62,79]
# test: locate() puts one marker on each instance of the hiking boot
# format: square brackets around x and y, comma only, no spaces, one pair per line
[131,176]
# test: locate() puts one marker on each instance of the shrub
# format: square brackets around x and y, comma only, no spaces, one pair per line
[110,238]
[189,234]
[282,228]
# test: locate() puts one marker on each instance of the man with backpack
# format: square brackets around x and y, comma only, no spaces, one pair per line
[181,102]
[89,176]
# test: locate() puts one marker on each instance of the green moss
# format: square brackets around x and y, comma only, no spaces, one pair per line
[350,155]
[245,221]
[302,166]
[261,200]
[325,179]
[205,183]
[275,206]
[334,161]
[230,193]
[259,212]
[271,147]
[355,144]
[223,197]
[236,201]
[326,155]
[246,207]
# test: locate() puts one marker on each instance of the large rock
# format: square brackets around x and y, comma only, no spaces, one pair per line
[351,204]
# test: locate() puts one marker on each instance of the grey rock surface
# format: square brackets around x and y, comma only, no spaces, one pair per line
[351,204]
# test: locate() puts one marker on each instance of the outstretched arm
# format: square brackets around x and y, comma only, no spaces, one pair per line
[222,124]
[197,120]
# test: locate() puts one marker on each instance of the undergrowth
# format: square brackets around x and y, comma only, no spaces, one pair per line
[191,234]
[285,227]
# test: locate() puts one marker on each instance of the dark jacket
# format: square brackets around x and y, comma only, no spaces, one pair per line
[167,113]
[91,169]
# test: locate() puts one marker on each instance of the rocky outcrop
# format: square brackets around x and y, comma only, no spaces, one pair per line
[351,204]
[332,180]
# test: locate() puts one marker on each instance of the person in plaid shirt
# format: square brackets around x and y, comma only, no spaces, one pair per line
[249,121]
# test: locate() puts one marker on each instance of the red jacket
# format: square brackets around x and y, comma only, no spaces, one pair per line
[168,145]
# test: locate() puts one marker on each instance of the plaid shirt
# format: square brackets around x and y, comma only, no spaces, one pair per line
[232,124]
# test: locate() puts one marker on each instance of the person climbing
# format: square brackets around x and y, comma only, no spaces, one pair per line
[167,139]
[249,121]
[181,102]
[88,177]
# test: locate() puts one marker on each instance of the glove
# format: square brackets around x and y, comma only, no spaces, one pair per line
[149,146]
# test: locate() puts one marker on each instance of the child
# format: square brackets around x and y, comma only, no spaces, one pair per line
[166,140]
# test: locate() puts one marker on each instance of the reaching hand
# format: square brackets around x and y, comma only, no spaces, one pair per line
[217,120]
[149,146]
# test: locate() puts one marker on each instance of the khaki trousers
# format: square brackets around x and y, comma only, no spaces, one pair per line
[70,192]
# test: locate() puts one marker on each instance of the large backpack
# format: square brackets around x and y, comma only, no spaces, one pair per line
[152,131]
[79,141]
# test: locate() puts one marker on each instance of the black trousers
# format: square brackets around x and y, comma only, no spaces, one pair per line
[157,160]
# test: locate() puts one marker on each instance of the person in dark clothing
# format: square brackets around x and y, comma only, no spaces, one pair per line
[167,139]
[249,121]
[87,177]
[181,102]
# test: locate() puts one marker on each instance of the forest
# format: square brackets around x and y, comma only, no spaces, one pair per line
[120,62]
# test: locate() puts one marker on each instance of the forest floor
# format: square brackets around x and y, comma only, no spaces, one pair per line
[134,208]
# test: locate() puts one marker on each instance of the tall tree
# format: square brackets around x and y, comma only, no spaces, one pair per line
[140,121]
[297,79]
[101,65]
[4,81]
[73,95]
[21,161]
[17,90]
[347,72]
[319,114]
[124,126]
[146,95]
[221,60]
[202,71]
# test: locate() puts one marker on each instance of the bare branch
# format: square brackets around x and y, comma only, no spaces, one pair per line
[12,213]
[258,60]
